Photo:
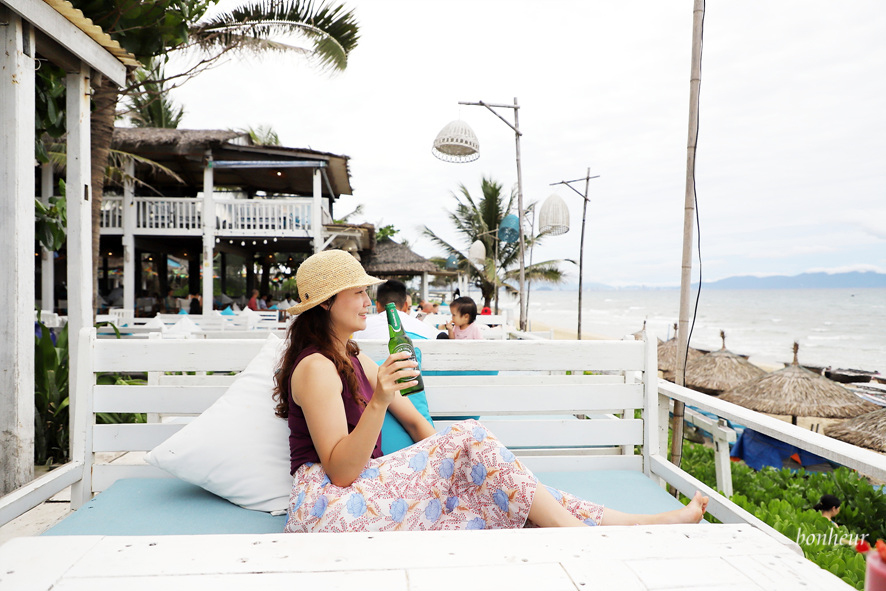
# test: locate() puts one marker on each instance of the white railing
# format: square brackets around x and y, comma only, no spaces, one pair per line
[863,460]
[168,215]
[112,215]
[260,217]
[234,217]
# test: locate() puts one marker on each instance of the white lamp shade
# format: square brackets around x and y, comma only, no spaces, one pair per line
[456,142]
[477,253]
[553,218]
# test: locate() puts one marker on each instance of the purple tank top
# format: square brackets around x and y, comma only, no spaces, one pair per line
[301,447]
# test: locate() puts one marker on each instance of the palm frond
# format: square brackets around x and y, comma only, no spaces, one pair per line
[331,29]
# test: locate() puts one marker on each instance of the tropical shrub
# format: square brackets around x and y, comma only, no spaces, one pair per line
[784,499]
[51,401]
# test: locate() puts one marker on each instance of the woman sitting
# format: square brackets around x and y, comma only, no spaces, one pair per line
[335,400]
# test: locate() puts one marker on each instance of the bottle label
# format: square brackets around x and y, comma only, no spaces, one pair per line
[406,347]
[394,320]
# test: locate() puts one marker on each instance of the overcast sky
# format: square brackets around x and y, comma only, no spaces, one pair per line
[791,169]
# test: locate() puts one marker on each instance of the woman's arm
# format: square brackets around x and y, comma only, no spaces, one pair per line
[415,424]
[316,388]
[413,421]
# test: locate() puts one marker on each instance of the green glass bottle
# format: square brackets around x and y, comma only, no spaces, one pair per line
[400,342]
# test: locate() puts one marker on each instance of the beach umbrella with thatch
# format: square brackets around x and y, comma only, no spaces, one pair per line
[867,430]
[796,391]
[667,356]
[719,371]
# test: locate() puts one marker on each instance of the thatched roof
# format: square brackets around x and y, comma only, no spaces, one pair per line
[182,140]
[183,151]
[798,392]
[867,430]
[719,371]
[667,356]
[390,258]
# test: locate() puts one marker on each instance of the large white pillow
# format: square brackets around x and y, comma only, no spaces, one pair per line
[238,448]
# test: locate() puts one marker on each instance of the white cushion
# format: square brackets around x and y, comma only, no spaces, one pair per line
[238,448]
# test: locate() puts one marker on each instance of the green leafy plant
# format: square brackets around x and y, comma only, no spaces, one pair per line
[784,499]
[51,433]
[51,397]
[51,220]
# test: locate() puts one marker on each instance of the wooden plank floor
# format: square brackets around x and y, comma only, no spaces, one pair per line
[709,557]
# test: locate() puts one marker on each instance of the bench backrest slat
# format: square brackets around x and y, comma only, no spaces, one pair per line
[536,403]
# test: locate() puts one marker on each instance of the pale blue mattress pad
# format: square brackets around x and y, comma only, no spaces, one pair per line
[168,506]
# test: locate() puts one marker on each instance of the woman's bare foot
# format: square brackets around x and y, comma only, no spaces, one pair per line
[693,512]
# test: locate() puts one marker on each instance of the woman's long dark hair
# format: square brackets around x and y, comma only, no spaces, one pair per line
[314,328]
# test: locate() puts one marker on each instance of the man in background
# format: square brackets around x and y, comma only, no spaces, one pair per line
[377,324]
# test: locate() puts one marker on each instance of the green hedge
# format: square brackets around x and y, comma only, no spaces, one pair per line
[784,499]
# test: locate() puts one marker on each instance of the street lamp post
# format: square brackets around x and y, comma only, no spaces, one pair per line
[581,248]
[464,148]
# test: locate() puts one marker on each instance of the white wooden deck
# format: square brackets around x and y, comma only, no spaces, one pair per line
[709,557]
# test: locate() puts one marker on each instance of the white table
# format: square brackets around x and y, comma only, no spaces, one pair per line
[618,558]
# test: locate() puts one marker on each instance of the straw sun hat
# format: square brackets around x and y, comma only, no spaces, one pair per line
[325,274]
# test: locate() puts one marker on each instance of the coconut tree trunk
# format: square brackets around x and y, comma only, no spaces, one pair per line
[104,101]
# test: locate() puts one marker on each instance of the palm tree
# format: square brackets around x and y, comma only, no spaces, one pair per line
[479,220]
[156,28]
[152,107]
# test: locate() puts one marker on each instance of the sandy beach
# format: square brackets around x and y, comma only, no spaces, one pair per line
[566,335]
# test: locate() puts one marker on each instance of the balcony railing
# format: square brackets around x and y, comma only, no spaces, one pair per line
[183,216]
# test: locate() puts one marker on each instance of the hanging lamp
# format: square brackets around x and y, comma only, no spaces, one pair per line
[477,253]
[456,142]
[553,217]
[509,229]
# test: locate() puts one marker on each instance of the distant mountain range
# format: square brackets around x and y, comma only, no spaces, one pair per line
[802,281]
[853,279]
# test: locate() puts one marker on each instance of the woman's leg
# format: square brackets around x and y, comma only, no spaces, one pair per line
[589,513]
[691,513]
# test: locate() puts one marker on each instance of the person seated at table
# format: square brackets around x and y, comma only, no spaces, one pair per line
[394,292]
[196,304]
[335,399]
[170,305]
[425,309]
[464,315]
[253,301]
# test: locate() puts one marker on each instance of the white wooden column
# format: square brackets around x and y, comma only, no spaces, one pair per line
[17,263]
[129,215]
[424,286]
[317,212]
[80,278]
[208,232]
[47,257]
[79,197]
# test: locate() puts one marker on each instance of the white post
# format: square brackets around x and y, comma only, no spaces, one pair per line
[316,212]
[80,279]
[208,232]
[129,215]
[17,264]
[47,257]
[424,286]
[79,197]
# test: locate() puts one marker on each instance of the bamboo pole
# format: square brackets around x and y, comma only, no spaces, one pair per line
[688,228]
[581,247]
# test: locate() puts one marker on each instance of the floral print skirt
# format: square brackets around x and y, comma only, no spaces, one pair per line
[462,478]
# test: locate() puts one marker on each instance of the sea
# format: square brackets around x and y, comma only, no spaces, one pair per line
[841,328]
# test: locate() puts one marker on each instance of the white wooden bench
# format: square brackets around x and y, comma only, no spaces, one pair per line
[531,406]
